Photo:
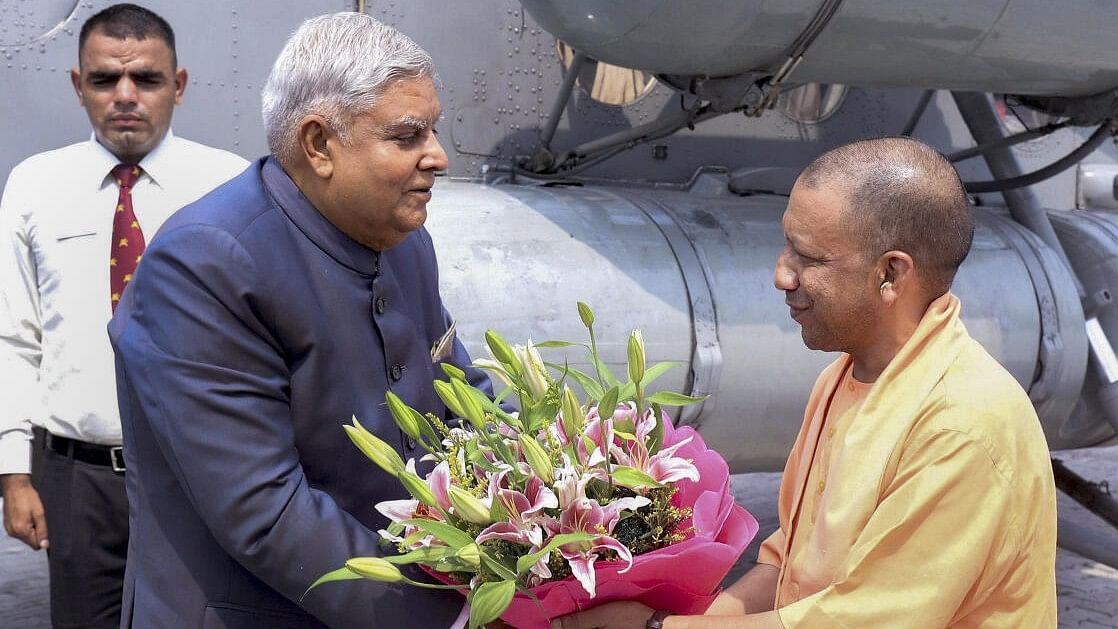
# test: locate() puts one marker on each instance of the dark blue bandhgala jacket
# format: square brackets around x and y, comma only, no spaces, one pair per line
[253,330]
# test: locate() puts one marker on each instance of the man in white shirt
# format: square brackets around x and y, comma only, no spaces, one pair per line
[72,227]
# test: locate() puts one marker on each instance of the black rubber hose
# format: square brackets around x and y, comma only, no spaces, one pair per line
[1055,168]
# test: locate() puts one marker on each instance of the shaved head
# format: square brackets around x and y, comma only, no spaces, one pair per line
[901,195]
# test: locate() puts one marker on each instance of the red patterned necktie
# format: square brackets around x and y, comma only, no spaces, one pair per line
[128,241]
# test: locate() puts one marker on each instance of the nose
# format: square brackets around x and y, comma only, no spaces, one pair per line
[125,92]
[784,276]
[434,157]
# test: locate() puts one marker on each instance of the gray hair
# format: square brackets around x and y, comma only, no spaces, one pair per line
[336,66]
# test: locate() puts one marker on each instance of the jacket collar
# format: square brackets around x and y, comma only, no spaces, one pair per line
[331,240]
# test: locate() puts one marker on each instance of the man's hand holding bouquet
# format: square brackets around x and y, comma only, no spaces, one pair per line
[563,505]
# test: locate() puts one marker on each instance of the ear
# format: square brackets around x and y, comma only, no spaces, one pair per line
[897,276]
[314,138]
[180,84]
[76,81]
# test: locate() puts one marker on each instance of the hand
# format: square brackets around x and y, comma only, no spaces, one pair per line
[619,615]
[24,518]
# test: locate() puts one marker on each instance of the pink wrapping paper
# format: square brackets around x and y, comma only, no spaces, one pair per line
[682,578]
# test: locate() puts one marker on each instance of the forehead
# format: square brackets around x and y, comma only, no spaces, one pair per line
[406,101]
[814,211]
[101,50]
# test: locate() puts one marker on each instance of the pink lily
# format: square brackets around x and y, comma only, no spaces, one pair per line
[587,516]
[663,467]
[525,510]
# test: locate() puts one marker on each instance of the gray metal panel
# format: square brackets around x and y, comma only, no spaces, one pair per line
[1019,46]
[495,96]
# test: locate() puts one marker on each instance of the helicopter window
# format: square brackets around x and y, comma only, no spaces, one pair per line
[34,21]
[811,103]
[608,84]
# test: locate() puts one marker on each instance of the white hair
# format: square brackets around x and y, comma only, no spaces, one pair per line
[336,66]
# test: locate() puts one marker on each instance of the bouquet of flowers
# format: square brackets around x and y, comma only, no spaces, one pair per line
[564,504]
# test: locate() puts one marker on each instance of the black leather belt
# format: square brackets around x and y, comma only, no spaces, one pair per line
[92,453]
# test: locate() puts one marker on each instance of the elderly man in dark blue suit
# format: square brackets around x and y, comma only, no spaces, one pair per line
[262,317]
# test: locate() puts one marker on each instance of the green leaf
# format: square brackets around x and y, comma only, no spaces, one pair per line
[476,457]
[534,416]
[589,385]
[450,536]
[497,511]
[507,391]
[489,601]
[557,344]
[428,431]
[627,436]
[659,369]
[607,375]
[671,398]
[633,478]
[527,561]
[498,568]
[341,574]
[608,403]
[491,406]
[628,391]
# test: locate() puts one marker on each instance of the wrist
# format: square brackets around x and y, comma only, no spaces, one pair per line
[12,481]
[656,620]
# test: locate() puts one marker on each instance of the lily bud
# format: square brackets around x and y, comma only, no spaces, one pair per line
[418,488]
[446,394]
[375,568]
[534,375]
[470,554]
[468,506]
[452,371]
[501,350]
[537,458]
[377,450]
[573,417]
[404,416]
[471,409]
[636,357]
[586,314]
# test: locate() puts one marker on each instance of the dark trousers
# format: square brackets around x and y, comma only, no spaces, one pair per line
[87,524]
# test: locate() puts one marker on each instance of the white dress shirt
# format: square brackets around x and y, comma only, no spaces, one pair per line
[56,222]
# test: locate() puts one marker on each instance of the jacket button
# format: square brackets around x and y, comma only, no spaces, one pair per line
[380,305]
[411,443]
[396,372]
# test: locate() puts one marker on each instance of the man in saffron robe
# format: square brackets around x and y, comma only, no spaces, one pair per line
[919,492]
